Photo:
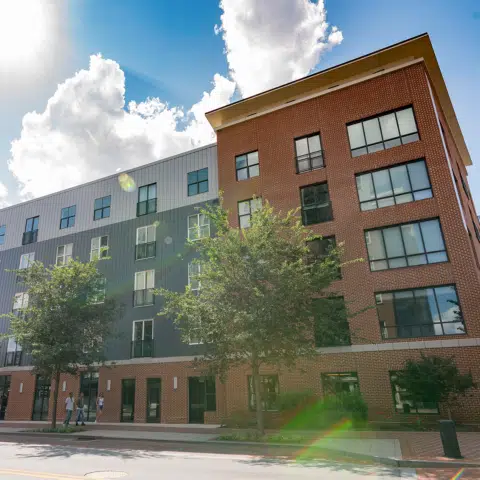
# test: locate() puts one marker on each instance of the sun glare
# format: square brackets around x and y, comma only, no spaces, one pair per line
[23,32]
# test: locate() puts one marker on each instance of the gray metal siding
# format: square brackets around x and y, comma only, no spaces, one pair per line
[169,174]
[170,265]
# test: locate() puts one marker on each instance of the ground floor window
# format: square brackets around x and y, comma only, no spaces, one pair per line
[89,388]
[41,398]
[128,400]
[5,381]
[405,404]
[334,383]
[268,392]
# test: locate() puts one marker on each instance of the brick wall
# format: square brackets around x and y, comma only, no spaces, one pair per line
[20,405]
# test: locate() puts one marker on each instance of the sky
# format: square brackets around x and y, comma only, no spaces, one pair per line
[92,87]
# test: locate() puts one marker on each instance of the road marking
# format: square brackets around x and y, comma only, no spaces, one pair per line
[30,473]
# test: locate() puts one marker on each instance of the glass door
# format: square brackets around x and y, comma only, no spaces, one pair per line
[41,398]
[89,387]
[4,391]
[128,400]
[154,393]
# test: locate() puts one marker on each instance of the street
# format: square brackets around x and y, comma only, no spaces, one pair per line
[64,462]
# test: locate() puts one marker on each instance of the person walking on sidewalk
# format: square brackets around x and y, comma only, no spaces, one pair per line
[69,404]
[80,412]
[100,403]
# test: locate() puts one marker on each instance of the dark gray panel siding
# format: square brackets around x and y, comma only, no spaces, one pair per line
[170,265]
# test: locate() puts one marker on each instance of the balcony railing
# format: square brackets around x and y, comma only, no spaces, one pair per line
[422,330]
[145,250]
[142,348]
[143,297]
[13,359]
[146,207]
[29,237]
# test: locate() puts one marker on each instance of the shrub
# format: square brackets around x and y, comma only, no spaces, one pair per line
[288,401]
[240,419]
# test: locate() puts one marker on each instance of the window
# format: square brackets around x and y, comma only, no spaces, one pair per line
[64,254]
[335,383]
[423,312]
[31,231]
[321,247]
[406,245]
[331,327]
[144,283]
[197,182]
[147,199]
[3,231]
[308,153]
[26,260]
[247,166]
[475,227]
[382,132]
[67,218]
[316,205]
[393,186]
[245,210]
[14,353]
[194,269]
[464,185]
[405,404]
[198,226]
[20,301]
[101,291]
[146,245]
[268,392]
[101,207]
[99,247]
[142,339]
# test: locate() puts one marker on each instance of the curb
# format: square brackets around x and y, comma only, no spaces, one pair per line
[333,454]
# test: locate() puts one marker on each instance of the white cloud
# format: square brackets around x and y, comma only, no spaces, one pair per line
[271,42]
[3,195]
[85,132]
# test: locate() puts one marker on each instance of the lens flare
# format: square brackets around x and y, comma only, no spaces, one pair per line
[459,474]
[168,240]
[126,182]
[156,223]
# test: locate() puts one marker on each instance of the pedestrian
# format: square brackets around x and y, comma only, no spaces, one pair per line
[69,404]
[80,412]
[100,403]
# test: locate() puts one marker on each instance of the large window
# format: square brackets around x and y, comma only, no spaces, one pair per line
[198,226]
[331,327]
[335,383]
[14,353]
[3,231]
[423,312]
[67,218]
[247,166]
[320,248]
[197,182]
[31,231]
[64,254]
[308,153]
[393,186]
[142,339]
[382,132]
[146,245]
[144,285]
[268,392]
[405,404]
[147,199]
[99,247]
[100,292]
[316,205]
[245,210]
[26,260]
[194,269]
[406,245]
[101,207]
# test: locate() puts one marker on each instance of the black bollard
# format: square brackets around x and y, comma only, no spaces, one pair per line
[448,434]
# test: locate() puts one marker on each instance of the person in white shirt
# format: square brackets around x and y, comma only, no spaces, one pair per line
[69,406]
[100,403]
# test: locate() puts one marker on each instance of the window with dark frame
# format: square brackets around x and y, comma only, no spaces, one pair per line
[406,245]
[246,209]
[3,232]
[197,182]
[316,205]
[308,153]
[382,131]
[146,243]
[393,186]
[404,403]
[14,353]
[142,339]
[67,218]
[247,165]
[420,312]
[147,200]
[101,207]
[143,288]
[338,383]
[31,230]
[320,248]
[269,392]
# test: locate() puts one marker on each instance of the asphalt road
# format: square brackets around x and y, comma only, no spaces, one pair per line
[61,461]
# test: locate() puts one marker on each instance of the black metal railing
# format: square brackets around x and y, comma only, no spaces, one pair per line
[146,207]
[422,330]
[310,161]
[143,297]
[13,359]
[29,237]
[145,250]
[142,348]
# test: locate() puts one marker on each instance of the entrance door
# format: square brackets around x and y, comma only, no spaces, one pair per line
[128,400]
[4,391]
[201,398]
[154,393]
[89,387]
[41,398]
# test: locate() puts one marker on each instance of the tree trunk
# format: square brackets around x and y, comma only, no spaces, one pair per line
[258,397]
[55,399]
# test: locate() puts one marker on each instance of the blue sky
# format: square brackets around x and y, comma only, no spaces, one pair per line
[169,50]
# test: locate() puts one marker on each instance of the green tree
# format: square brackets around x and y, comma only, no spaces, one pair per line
[260,295]
[65,320]
[434,379]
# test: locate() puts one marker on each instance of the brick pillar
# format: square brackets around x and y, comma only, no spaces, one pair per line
[20,405]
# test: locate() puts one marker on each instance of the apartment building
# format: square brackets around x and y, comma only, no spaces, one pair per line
[372,153]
